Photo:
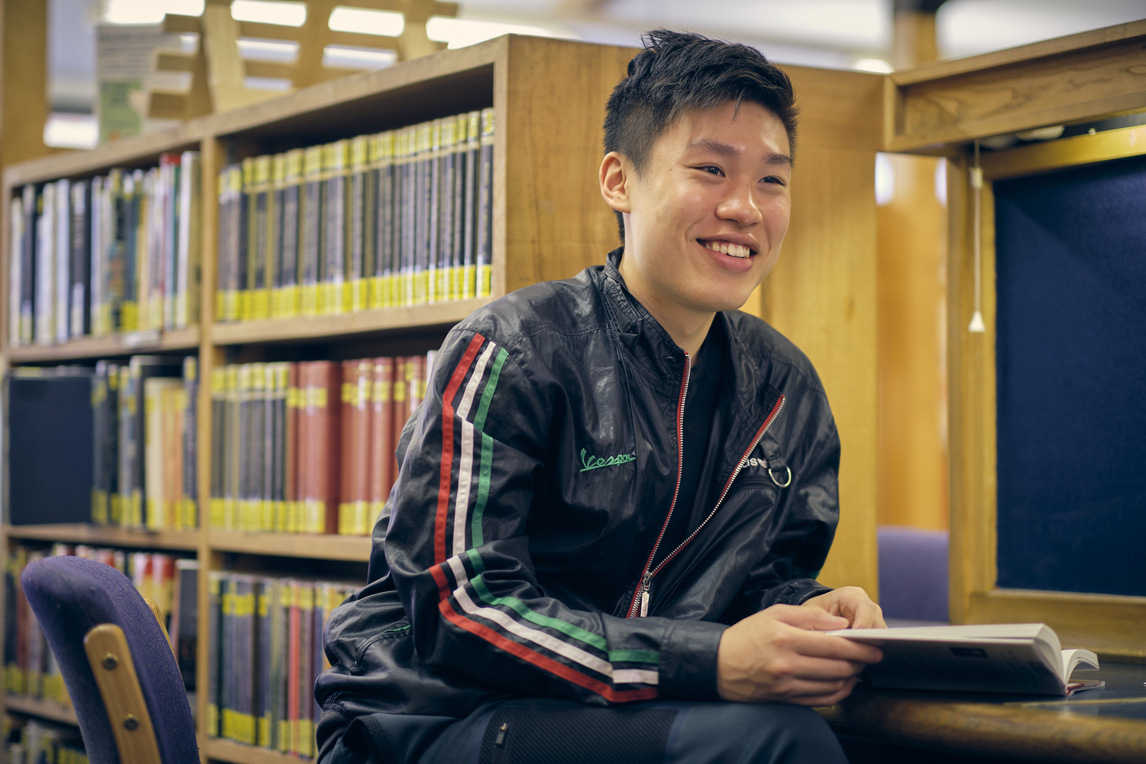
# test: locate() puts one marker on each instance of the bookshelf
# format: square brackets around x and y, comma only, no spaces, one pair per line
[542,226]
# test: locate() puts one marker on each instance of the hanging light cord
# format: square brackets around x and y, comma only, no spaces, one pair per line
[977,324]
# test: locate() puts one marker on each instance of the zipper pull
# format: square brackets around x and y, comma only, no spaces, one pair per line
[645,596]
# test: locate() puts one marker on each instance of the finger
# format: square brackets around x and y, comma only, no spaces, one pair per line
[814,645]
[868,615]
[810,618]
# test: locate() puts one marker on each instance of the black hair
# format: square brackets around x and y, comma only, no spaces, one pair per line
[678,72]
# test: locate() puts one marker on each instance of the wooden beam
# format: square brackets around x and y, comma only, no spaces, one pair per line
[1072,79]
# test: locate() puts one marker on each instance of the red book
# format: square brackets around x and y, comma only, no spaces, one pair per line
[359,456]
[324,444]
[382,465]
[400,407]
[349,401]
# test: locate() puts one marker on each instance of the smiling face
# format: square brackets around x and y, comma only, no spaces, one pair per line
[705,218]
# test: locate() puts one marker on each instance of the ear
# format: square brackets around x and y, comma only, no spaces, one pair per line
[614,178]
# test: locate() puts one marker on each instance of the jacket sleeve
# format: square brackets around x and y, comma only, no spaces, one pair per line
[458,551]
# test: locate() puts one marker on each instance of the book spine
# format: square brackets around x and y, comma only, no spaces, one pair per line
[45,266]
[275,251]
[473,184]
[382,461]
[15,267]
[359,457]
[333,294]
[189,509]
[360,256]
[81,255]
[310,235]
[216,587]
[385,231]
[347,407]
[292,448]
[63,247]
[485,207]
[260,258]
[291,232]
[457,249]
[218,447]
[190,248]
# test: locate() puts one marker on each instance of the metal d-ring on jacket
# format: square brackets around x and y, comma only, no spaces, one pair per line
[547,446]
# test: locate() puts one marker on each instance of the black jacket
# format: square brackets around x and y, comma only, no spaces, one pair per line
[544,455]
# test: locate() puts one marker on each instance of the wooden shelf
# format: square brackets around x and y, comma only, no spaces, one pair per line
[82,533]
[307,546]
[382,321]
[237,753]
[43,709]
[102,347]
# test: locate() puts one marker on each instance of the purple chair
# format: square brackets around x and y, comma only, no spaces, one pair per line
[115,660]
[913,574]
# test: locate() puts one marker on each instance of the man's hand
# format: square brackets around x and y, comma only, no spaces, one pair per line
[778,654]
[852,603]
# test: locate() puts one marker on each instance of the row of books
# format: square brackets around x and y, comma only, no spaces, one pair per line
[401,217]
[308,447]
[30,668]
[113,253]
[144,430]
[266,652]
[34,742]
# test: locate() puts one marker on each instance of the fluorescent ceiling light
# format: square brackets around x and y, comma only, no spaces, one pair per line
[266,12]
[383,23]
[148,11]
[461,32]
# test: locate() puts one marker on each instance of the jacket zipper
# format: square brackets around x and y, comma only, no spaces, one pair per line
[641,597]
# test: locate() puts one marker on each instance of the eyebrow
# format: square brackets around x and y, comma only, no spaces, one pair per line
[725,149]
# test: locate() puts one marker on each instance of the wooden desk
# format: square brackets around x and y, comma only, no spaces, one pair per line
[1107,725]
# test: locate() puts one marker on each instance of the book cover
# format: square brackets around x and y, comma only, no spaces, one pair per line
[51,435]
[1024,658]
[185,619]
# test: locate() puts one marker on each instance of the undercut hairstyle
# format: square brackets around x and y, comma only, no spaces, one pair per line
[680,72]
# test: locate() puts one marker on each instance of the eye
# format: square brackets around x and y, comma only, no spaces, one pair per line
[711,169]
[774,179]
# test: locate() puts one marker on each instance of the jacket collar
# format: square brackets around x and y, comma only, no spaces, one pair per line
[661,361]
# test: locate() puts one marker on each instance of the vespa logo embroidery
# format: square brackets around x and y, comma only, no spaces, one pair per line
[590,462]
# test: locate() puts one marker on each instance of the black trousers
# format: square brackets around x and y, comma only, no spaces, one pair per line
[540,731]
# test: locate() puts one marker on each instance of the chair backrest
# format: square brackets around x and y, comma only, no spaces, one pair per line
[70,597]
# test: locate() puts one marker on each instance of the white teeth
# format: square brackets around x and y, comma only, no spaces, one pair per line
[727,248]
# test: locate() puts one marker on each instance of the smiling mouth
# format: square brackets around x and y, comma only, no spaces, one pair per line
[728,248]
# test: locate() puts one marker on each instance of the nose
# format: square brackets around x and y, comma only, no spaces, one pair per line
[740,204]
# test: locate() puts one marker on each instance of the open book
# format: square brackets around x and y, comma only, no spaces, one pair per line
[1017,658]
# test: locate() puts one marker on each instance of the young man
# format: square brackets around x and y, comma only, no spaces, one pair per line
[614,501]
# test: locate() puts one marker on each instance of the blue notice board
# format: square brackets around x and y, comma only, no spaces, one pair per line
[1071,371]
